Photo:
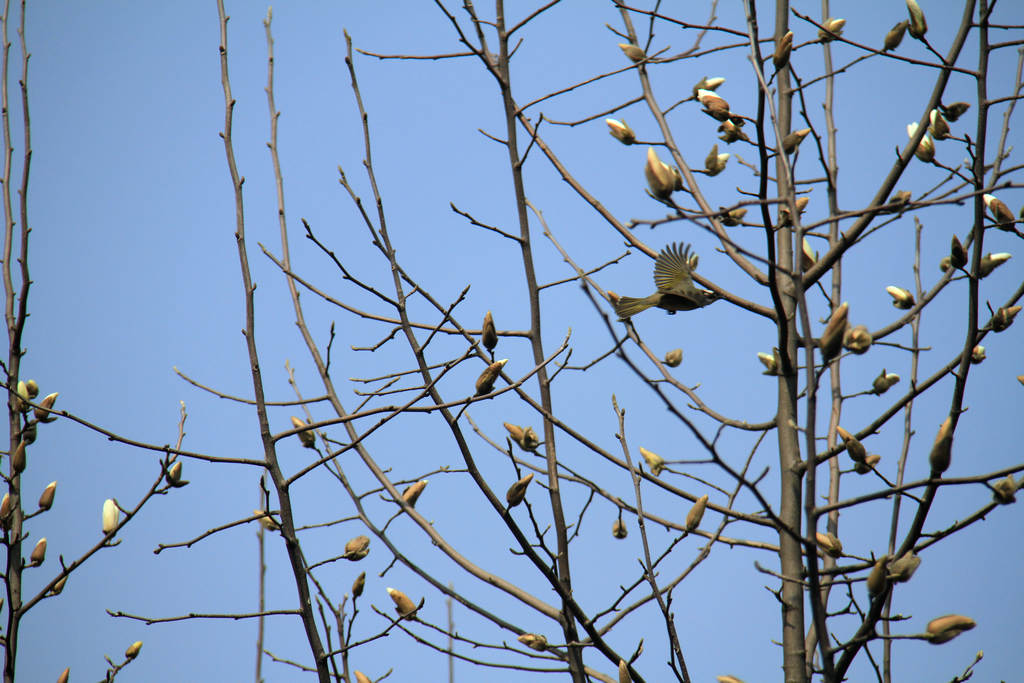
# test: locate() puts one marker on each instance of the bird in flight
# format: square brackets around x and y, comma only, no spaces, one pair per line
[673,271]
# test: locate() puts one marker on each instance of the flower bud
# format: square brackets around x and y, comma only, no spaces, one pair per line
[174,474]
[1000,211]
[829,543]
[945,629]
[770,362]
[621,131]
[412,493]
[783,47]
[133,650]
[534,641]
[954,111]
[730,132]
[857,339]
[266,521]
[489,335]
[925,150]
[714,163]
[902,569]
[357,548]
[18,461]
[517,491]
[942,450]
[29,433]
[673,358]
[619,529]
[990,262]
[714,106]
[361,677]
[734,217]
[784,217]
[624,676]
[900,199]
[42,413]
[59,586]
[707,84]
[808,257]
[1004,490]
[938,128]
[895,36]
[918,25]
[20,400]
[832,338]
[696,513]
[944,264]
[901,298]
[526,438]
[659,175]
[1004,317]
[111,515]
[957,253]
[793,140]
[38,553]
[485,382]
[867,464]
[46,498]
[32,387]
[831,29]
[977,354]
[854,447]
[403,605]
[884,382]
[306,438]
[634,52]
[654,461]
[877,577]
[64,675]
[5,511]
[358,585]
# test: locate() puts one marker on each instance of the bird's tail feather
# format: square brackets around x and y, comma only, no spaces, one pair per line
[627,306]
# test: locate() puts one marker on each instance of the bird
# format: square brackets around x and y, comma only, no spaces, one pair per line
[673,277]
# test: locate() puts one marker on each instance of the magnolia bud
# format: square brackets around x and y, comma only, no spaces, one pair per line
[46,498]
[64,675]
[918,26]
[902,569]
[306,438]
[534,641]
[770,362]
[954,111]
[654,461]
[807,256]
[895,36]
[945,629]
[854,447]
[1000,211]
[730,132]
[357,548]
[111,515]
[877,577]
[944,264]
[660,178]
[32,387]
[1004,490]
[783,47]
[734,217]
[412,494]
[361,677]
[266,521]
[42,413]
[20,400]
[18,461]
[957,253]
[490,336]
[714,106]
[517,491]
[1004,317]
[485,382]
[942,450]
[784,217]
[621,131]
[403,605]
[133,650]
[5,510]
[857,339]
[938,128]
[990,262]
[727,679]
[526,438]
[884,382]
[830,543]
[867,464]
[696,513]
[901,298]
[925,150]
[634,52]
[358,585]
[715,162]
[831,29]
[900,199]
[38,553]
[793,140]
[707,84]
[174,475]
[59,586]
[624,676]
[619,529]
[673,358]
[977,354]
[832,338]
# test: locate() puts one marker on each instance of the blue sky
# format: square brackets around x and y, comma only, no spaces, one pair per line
[135,273]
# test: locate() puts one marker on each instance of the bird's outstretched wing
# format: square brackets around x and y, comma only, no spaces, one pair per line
[672,271]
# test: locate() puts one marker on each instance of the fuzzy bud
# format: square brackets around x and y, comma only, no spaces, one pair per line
[59,586]
[357,548]
[654,461]
[714,106]
[32,387]
[621,131]
[358,585]
[867,464]
[306,438]
[832,338]
[412,493]
[707,84]
[1004,490]
[831,29]
[954,111]
[938,127]
[784,217]
[361,677]
[526,438]
[20,399]
[895,36]
[977,354]
[485,382]
[624,676]
[957,253]
[619,529]
[111,515]
[403,605]
[942,449]
[714,163]
[517,491]
[673,358]
[808,257]
[1004,317]
[853,446]
[633,52]
[46,498]
[902,569]
[925,150]
[793,140]
[266,521]
[489,336]
[534,641]
[829,543]
[945,629]
[660,178]
[696,513]
[174,475]
[877,577]
[38,553]
[770,362]
[857,339]
[901,298]
[990,262]
[783,48]
[730,132]
[884,382]
[727,679]
[64,675]
[5,509]
[918,25]
[734,217]
[999,210]
[133,650]
[42,413]
[18,460]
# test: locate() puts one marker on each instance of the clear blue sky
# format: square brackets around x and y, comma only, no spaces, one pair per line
[135,271]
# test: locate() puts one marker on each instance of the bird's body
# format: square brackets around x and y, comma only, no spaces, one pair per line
[673,276]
